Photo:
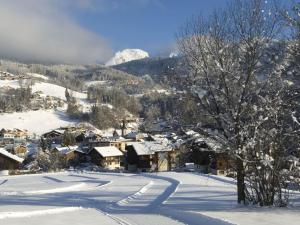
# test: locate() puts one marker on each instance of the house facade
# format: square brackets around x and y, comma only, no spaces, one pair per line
[108,157]
[72,153]
[148,156]
[9,161]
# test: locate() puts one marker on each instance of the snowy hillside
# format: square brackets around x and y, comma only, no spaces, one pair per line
[37,75]
[37,122]
[47,89]
[126,56]
[43,120]
[142,199]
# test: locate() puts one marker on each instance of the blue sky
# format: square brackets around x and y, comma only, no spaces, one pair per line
[89,31]
[147,24]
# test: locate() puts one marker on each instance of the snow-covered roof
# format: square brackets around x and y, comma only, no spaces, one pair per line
[61,131]
[108,151]
[67,149]
[214,143]
[149,148]
[11,156]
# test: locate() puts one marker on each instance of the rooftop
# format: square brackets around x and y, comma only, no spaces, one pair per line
[149,148]
[108,151]
[11,156]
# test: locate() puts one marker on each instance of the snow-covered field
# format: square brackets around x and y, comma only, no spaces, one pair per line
[41,121]
[47,89]
[37,122]
[95,82]
[37,75]
[148,199]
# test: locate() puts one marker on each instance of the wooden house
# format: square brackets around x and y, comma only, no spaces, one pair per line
[222,164]
[9,161]
[208,153]
[71,153]
[148,156]
[87,137]
[108,157]
[55,136]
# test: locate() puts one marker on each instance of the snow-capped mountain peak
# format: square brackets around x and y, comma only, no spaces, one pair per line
[127,55]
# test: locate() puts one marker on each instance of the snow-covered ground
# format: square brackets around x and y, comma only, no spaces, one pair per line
[41,121]
[95,82]
[37,122]
[47,89]
[37,75]
[9,83]
[147,199]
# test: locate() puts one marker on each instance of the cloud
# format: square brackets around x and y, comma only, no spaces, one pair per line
[45,31]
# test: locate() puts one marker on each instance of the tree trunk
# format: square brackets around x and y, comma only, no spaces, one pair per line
[240,182]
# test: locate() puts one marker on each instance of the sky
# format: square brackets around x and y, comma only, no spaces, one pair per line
[146,24]
[89,31]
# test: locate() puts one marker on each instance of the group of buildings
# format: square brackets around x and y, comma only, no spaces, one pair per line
[117,150]
[133,151]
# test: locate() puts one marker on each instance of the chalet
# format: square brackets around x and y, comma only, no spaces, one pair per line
[55,136]
[71,152]
[14,134]
[208,152]
[108,157]
[87,136]
[148,156]
[9,161]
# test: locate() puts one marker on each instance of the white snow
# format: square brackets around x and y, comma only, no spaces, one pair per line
[37,75]
[47,89]
[56,91]
[168,198]
[40,121]
[37,122]
[173,54]
[76,187]
[7,215]
[9,83]
[95,82]
[127,55]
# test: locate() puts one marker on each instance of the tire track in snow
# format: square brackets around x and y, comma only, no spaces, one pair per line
[27,214]
[149,197]
[76,187]
[115,218]
[3,182]
[73,188]
[136,195]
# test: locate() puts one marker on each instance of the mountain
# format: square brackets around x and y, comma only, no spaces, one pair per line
[156,67]
[126,56]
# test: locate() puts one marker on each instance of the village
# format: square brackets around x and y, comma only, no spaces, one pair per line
[123,150]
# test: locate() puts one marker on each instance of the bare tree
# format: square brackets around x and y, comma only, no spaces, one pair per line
[237,78]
